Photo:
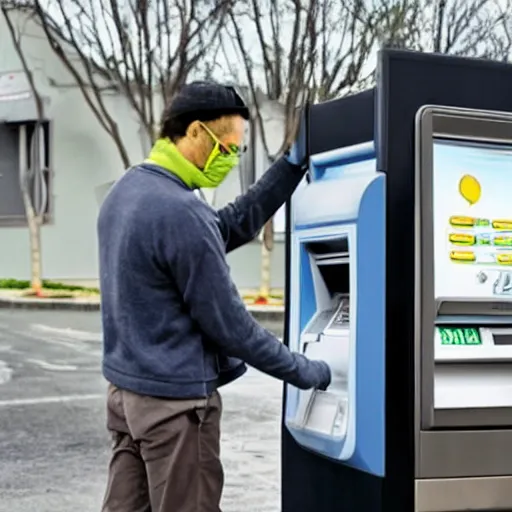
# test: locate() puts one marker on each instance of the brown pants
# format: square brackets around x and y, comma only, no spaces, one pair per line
[166,454]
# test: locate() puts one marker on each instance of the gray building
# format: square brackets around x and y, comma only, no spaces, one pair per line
[79,159]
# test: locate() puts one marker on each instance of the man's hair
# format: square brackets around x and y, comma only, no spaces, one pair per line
[176,127]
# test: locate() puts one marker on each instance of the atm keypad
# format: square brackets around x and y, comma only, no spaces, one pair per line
[340,318]
[342,315]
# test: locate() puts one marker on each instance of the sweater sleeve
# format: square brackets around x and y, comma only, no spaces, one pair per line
[241,220]
[213,302]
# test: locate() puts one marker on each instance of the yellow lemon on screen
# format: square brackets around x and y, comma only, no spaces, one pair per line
[470,189]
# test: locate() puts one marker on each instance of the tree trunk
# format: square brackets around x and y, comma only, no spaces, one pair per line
[33,221]
[264,292]
[266,263]
[34,229]
[438,35]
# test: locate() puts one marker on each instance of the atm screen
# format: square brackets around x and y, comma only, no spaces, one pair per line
[472,220]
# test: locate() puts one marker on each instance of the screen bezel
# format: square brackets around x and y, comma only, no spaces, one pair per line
[456,124]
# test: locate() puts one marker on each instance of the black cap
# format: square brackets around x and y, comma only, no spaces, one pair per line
[210,97]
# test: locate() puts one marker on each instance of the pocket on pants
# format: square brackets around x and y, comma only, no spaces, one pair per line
[211,474]
[199,414]
[115,411]
[211,408]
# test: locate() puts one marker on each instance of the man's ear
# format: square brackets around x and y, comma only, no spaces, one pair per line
[194,129]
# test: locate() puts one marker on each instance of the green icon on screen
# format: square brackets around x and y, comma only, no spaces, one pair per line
[460,336]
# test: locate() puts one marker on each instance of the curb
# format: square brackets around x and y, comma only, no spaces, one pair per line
[267,313]
[48,304]
[260,313]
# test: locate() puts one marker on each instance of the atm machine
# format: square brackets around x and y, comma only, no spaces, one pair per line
[463,340]
[400,277]
[337,277]
[335,312]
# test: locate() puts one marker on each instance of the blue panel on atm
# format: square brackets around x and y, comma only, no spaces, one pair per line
[337,290]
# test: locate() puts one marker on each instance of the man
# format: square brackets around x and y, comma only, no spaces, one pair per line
[175,327]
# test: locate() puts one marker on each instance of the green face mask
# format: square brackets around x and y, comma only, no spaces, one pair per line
[219,165]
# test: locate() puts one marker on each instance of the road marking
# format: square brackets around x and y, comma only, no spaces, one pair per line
[53,367]
[69,333]
[5,372]
[82,348]
[49,400]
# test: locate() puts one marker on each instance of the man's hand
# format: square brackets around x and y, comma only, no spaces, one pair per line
[297,154]
[325,375]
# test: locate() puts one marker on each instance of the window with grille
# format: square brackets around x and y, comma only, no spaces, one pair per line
[24,151]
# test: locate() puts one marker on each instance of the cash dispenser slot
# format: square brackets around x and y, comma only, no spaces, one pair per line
[327,337]
[473,308]
[331,277]
[472,376]
[329,252]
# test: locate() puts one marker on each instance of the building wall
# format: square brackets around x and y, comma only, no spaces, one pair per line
[245,266]
[83,157]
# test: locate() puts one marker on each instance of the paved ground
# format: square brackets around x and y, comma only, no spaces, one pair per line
[53,446]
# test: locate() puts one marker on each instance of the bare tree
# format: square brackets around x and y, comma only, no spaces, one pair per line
[34,218]
[295,50]
[144,50]
[462,27]
[499,41]
[470,28]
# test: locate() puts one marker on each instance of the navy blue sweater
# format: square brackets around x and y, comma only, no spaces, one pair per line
[174,323]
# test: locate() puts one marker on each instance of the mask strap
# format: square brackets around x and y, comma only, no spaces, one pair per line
[214,153]
[215,139]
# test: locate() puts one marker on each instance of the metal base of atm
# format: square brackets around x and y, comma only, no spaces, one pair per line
[463,494]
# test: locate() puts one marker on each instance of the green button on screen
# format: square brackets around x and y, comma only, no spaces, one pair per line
[460,336]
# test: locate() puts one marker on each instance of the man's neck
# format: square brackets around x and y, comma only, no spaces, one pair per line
[184,148]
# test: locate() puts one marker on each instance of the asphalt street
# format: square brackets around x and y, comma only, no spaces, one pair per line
[53,444]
